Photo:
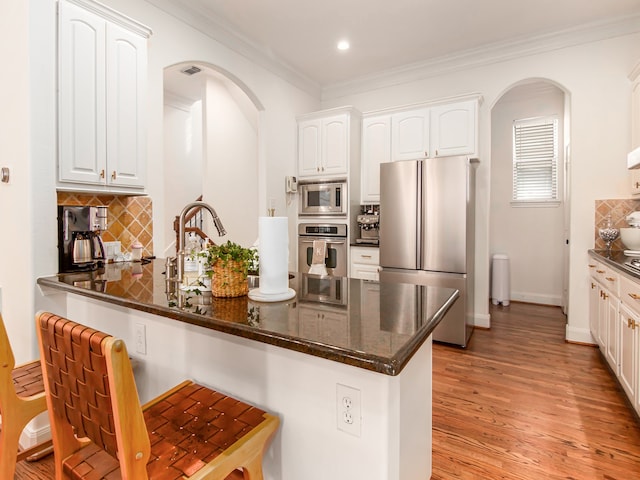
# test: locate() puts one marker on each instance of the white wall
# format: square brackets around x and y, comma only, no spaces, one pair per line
[230,180]
[595,75]
[16,241]
[183,158]
[531,236]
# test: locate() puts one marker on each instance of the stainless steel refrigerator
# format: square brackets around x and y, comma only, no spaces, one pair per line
[427,230]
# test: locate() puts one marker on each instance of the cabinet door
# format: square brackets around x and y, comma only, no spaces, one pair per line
[453,129]
[613,340]
[628,372]
[634,176]
[309,134]
[594,306]
[335,145]
[376,149]
[81,100]
[126,59]
[410,135]
[602,320]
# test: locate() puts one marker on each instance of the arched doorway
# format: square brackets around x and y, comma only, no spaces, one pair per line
[211,124]
[535,234]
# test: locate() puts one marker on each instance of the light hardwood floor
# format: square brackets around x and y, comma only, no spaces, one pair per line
[519,403]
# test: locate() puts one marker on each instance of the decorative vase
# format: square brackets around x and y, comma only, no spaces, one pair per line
[608,233]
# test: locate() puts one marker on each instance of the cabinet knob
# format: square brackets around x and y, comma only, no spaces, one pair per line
[113,175]
[611,279]
[635,296]
[604,296]
[591,266]
[436,153]
[426,154]
[637,185]
[317,169]
[600,271]
[631,323]
[593,285]
[102,173]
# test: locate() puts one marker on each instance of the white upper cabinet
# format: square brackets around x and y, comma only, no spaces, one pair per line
[410,135]
[422,132]
[102,71]
[376,149]
[325,144]
[453,129]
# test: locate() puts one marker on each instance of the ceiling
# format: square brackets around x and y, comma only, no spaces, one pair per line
[389,34]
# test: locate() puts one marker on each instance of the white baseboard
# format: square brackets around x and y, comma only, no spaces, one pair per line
[578,335]
[482,320]
[527,297]
[33,436]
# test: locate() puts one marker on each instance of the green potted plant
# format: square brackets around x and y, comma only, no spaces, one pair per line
[228,265]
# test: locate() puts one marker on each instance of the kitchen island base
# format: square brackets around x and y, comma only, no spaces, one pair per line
[395,437]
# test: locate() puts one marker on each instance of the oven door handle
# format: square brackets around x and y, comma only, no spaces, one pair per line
[328,242]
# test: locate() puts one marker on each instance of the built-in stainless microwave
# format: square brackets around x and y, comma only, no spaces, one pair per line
[323,198]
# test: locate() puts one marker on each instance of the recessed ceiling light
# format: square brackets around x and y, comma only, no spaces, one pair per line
[343,45]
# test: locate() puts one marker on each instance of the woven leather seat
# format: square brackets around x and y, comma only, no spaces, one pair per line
[100,431]
[21,399]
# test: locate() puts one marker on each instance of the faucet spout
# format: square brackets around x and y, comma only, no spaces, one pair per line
[181,231]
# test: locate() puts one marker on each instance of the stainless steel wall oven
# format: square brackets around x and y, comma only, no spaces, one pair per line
[334,235]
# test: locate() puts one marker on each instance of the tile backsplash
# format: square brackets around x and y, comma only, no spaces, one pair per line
[129,218]
[619,209]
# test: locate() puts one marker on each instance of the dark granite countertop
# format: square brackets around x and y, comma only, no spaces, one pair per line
[372,325]
[371,245]
[617,260]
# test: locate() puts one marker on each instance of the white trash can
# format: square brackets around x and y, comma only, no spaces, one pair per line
[500,290]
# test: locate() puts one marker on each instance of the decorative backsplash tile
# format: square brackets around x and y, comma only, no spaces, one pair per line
[619,209]
[129,218]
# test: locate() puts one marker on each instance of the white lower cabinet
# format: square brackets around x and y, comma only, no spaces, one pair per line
[614,321]
[365,263]
[628,373]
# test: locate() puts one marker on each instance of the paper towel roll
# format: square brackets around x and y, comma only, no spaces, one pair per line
[274,255]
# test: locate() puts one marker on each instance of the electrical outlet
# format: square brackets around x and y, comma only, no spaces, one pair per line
[349,414]
[141,339]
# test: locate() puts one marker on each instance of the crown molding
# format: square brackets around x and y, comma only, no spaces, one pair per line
[205,22]
[114,16]
[179,102]
[486,55]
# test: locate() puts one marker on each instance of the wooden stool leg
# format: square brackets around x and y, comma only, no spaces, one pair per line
[9,439]
[253,470]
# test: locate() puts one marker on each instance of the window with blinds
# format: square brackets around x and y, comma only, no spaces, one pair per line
[535,160]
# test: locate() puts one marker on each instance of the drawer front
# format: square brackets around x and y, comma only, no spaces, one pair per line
[596,269]
[606,276]
[366,255]
[630,293]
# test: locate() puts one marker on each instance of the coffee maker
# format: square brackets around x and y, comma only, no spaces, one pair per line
[80,247]
[369,224]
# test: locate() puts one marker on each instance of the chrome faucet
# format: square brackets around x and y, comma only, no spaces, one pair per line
[181,253]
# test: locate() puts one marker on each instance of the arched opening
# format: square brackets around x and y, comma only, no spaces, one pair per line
[534,235]
[211,124]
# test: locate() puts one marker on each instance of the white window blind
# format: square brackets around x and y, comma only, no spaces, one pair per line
[535,160]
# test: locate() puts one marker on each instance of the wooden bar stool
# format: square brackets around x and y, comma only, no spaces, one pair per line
[100,431]
[21,399]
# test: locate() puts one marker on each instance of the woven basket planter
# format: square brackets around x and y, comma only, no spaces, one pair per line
[228,279]
[231,309]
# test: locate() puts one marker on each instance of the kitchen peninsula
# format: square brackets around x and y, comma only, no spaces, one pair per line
[297,358]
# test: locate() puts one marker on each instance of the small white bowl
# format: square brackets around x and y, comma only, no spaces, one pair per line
[630,238]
